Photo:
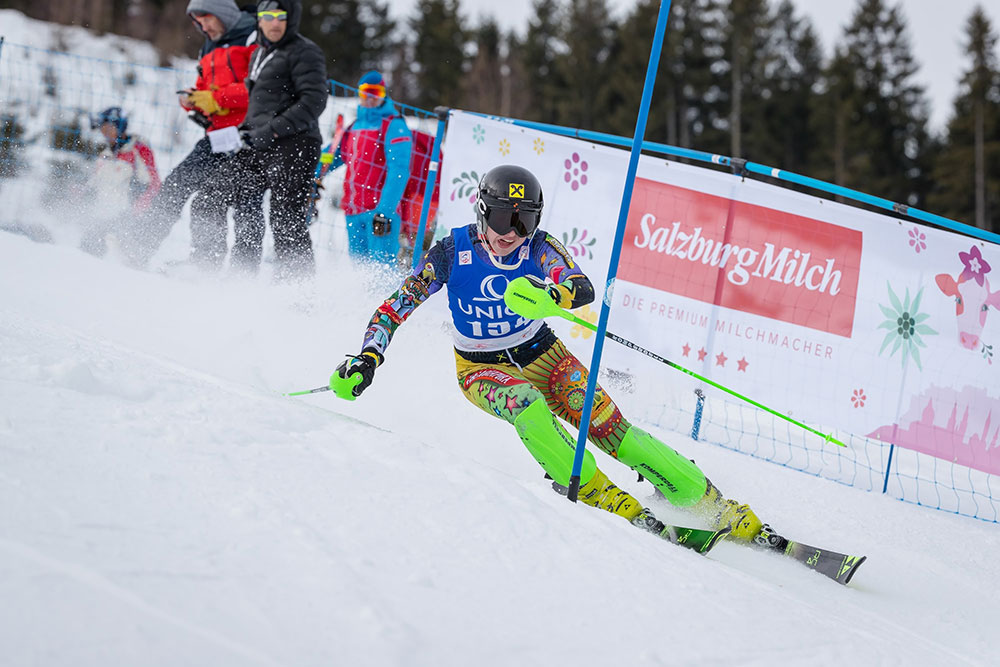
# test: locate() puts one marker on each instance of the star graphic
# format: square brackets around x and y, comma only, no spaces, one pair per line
[686,349]
[742,363]
[720,359]
[511,403]
[701,354]
[491,394]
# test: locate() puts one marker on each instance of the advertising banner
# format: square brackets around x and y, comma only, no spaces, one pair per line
[850,320]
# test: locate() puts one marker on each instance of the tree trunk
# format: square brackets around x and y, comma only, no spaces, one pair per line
[980,166]
[736,112]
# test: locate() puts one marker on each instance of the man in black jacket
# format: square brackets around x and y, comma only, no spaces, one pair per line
[288,92]
[217,100]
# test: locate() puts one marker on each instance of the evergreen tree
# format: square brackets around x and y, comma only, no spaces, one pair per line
[516,98]
[747,58]
[681,107]
[871,117]
[967,172]
[438,53]
[536,57]
[791,75]
[484,84]
[354,35]
[588,33]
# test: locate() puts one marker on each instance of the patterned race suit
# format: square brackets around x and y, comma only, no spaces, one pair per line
[504,362]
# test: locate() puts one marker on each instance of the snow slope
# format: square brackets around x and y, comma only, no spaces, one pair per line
[162,504]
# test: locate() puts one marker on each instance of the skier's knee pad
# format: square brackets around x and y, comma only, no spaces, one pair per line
[551,445]
[678,478]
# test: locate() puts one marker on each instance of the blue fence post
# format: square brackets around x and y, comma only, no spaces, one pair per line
[609,285]
[698,408]
[432,176]
[888,467]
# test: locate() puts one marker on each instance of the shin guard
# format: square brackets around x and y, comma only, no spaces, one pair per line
[551,445]
[678,478]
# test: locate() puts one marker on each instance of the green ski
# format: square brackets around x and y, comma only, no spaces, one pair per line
[701,541]
[837,566]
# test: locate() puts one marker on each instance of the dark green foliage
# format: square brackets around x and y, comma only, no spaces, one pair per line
[871,118]
[967,173]
[355,35]
[744,78]
[684,106]
[438,58]
[583,67]
[537,58]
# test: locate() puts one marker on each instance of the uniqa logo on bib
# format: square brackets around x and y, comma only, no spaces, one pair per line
[492,288]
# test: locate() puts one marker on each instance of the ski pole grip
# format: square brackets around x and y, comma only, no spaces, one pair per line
[344,387]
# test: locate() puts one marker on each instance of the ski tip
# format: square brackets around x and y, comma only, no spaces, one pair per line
[851,568]
[715,539]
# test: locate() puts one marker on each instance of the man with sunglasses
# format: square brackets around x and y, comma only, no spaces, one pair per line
[217,100]
[376,151]
[287,91]
[519,371]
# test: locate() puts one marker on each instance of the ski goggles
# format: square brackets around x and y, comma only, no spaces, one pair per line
[272,15]
[371,90]
[502,220]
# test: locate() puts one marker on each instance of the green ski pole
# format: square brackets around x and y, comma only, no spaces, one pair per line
[342,387]
[308,391]
[529,301]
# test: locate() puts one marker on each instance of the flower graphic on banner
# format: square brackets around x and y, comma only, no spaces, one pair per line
[539,146]
[577,243]
[504,147]
[859,398]
[479,134]
[976,267]
[917,240]
[904,322]
[576,171]
[466,185]
[580,331]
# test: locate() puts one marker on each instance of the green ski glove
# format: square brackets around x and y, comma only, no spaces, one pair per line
[355,374]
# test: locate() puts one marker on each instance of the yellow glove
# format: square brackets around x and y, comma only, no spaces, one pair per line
[205,101]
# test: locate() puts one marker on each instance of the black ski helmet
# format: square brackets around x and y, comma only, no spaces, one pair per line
[112,115]
[510,197]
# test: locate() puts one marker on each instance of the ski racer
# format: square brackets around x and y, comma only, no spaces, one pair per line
[125,180]
[376,148]
[519,371]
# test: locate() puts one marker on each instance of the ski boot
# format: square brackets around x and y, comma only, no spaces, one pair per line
[721,512]
[602,493]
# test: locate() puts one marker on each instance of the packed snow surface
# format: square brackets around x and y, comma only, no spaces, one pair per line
[161,503]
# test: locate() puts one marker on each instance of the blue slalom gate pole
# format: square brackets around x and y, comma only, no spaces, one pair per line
[432,176]
[609,285]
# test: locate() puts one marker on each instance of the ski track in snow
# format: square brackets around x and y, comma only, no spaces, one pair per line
[163,504]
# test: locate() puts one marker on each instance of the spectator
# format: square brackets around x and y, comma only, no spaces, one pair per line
[218,100]
[376,150]
[287,93]
[125,179]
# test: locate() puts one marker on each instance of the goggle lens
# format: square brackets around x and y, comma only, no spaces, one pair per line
[502,220]
[371,90]
[272,15]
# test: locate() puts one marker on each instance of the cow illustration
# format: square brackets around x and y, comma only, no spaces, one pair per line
[973,297]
